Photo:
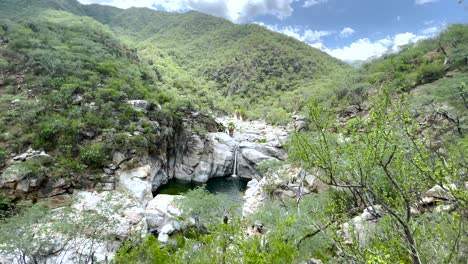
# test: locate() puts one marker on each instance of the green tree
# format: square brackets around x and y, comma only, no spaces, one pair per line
[387,165]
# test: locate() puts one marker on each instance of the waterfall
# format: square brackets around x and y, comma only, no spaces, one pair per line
[234,167]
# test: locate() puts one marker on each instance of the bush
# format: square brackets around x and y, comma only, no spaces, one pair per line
[109,94]
[430,72]
[6,205]
[147,252]
[278,116]
[207,207]
[2,156]
[93,155]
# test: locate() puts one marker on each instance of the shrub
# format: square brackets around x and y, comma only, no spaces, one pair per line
[6,205]
[93,155]
[430,72]
[2,156]
[146,252]
[278,116]
[109,94]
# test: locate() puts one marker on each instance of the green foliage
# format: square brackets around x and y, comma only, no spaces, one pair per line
[430,72]
[148,251]
[269,166]
[194,204]
[93,155]
[3,156]
[293,220]
[64,225]
[388,162]
[6,206]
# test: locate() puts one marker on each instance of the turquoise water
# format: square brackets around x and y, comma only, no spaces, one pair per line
[232,187]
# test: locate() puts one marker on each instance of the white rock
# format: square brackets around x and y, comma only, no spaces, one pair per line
[163,238]
[161,210]
[441,193]
[138,188]
[167,229]
[141,172]
[255,156]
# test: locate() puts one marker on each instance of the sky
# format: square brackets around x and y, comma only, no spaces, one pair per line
[350,30]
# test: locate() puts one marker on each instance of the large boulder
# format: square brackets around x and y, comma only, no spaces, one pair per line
[161,211]
[33,155]
[142,105]
[142,180]
[14,174]
[209,158]
[362,227]
[254,196]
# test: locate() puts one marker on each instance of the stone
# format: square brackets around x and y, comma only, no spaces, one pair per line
[141,105]
[165,232]
[300,125]
[23,186]
[107,186]
[136,187]
[362,227]
[58,201]
[441,193]
[254,196]
[14,173]
[252,184]
[161,210]
[163,238]
[159,178]
[141,172]
[313,183]
[167,229]
[134,215]
[77,100]
[117,159]
[61,183]
[108,171]
[254,156]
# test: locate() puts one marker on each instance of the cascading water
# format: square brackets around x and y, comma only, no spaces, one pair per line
[234,167]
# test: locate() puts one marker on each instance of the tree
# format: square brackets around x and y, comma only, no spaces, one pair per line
[205,208]
[387,166]
[33,233]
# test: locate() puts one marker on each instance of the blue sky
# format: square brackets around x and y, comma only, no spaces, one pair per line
[347,29]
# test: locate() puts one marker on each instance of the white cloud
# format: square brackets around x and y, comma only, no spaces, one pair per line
[309,3]
[431,30]
[423,2]
[364,48]
[360,50]
[300,33]
[346,32]
[234,10]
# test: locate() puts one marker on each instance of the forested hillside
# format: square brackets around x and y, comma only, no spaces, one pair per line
[211,57]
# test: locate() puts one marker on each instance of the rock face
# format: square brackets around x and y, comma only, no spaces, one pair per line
[22,179]
[217,154]
[286,181]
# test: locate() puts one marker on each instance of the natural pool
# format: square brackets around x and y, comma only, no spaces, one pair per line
[232,187]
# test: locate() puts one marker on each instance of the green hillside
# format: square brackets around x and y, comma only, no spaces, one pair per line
[210,58]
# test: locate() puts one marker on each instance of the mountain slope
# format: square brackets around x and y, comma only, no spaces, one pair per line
[218,65]
[245,59]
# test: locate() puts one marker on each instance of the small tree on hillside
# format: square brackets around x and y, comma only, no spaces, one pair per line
[385,166]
